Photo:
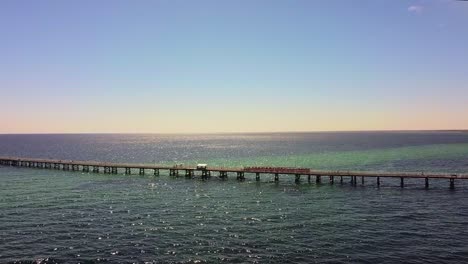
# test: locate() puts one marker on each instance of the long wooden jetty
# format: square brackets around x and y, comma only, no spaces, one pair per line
[206,172]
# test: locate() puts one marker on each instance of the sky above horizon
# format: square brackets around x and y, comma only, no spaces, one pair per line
[233,66]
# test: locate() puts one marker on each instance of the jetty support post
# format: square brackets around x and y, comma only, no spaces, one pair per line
[402,182]
[426,180]
[452,183]
[156,172]
[85,168]
[128,171]
[257,176]
[96,169]
[332,179]
[362,180]
[318,179]
[142,171]
[308,178]
[188,173]
[378,181]
[341,179]
[114,170]
[223,175]
[298,178]
[276,177]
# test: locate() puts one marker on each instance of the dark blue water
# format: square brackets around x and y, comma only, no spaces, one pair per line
[74,217]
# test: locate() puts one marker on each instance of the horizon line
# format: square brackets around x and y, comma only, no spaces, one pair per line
[236,132]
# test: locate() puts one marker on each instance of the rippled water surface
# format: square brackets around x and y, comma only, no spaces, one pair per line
[74,217]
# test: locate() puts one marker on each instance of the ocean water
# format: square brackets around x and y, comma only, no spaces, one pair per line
[74,217]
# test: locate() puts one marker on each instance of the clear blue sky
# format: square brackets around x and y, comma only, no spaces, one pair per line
[220,66]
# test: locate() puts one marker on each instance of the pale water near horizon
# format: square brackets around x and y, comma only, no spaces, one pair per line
[74,217]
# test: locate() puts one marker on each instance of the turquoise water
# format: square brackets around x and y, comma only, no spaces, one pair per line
[75,217]
[380,159]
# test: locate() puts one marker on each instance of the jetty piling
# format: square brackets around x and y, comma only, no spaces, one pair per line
[298,178]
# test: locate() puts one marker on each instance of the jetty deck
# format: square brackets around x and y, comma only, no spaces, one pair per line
[205,173]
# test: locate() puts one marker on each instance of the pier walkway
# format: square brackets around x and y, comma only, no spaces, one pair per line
[222,172]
